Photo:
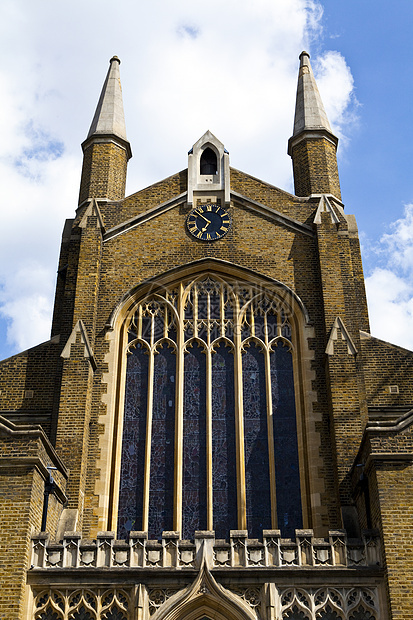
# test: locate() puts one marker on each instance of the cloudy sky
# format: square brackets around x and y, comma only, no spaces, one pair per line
[187,66]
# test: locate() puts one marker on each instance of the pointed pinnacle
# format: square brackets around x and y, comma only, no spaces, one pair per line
[309,110]
[109,118]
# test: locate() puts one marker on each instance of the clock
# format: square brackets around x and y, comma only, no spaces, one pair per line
[208,222]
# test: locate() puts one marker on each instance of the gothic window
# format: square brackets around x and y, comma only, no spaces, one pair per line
[209,432]
[208,162]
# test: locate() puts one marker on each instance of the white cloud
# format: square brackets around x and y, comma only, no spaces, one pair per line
[231,68]
[336,86]
[27,302]
[390,287]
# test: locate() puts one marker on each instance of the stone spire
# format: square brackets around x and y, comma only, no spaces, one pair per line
[106,149]
[309,110]
[109,117]
[313,145]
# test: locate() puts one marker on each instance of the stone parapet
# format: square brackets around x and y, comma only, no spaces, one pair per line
[273,551]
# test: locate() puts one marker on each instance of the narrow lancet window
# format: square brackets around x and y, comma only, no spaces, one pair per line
[287,473]
[194,491]
[257,471]
[133,445]
[224,477]
[162,440]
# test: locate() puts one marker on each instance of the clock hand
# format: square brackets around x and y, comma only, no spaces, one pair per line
[205,227]
[204,218]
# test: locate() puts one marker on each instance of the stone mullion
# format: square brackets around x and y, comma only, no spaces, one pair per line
[179,413]
[239,421]
[209,419]
[270,434]
[148,442]
[209,438]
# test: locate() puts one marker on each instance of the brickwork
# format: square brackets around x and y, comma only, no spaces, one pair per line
[397,370]
[396,507]
[72,437]
[28,385]
[25,454]
[103,172]
[315,167]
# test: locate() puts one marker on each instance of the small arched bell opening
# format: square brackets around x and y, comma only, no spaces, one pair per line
[208,162]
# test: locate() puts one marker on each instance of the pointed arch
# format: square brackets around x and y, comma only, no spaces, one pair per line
[237,281]
[196,270]
[204,597]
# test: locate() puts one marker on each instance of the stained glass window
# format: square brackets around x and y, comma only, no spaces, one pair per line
[133,446]
[361,614]
[162,448]
[256,442]
[224,477]
[194,448]
[287,474]
[209,380]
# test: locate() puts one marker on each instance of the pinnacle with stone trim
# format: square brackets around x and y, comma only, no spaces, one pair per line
[106,139]
[310,115]
[313,146]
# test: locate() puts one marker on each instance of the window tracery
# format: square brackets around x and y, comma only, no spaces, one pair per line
[210,388]
[82,604]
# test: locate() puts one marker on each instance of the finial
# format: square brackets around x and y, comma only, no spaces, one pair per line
[114,58]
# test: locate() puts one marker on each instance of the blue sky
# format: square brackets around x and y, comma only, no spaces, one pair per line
[231,69]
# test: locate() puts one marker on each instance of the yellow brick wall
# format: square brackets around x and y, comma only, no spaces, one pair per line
[315,167]
[103,172]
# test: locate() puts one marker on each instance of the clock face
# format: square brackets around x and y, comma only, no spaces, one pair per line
[208,222]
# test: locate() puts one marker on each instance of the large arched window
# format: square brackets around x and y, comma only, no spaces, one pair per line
[210,431]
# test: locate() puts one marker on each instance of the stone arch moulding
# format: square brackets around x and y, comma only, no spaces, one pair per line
[110,442]
[197,269]
[204,598]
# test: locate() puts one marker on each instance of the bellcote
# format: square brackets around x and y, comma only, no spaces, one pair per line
[208,170]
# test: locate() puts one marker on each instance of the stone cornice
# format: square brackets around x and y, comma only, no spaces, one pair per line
[29,431]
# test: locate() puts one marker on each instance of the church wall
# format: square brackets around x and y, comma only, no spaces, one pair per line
[254,242]
[28,385]
[387,365]
[22,475]
[145,199]
[395,491]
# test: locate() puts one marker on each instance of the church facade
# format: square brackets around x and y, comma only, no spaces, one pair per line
[211,432]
